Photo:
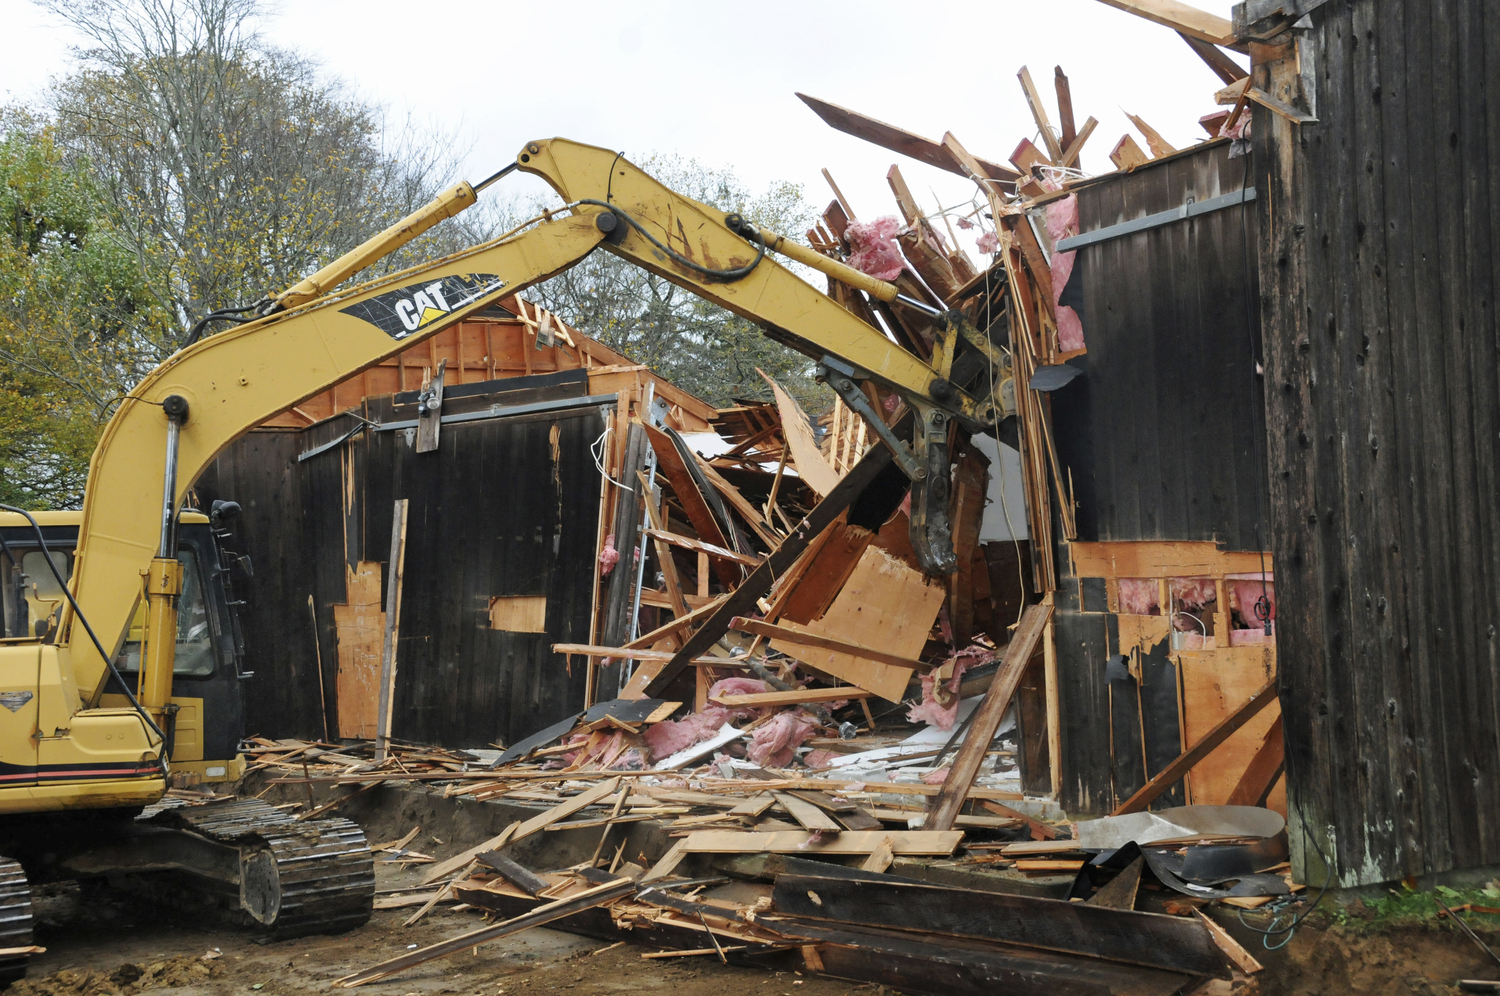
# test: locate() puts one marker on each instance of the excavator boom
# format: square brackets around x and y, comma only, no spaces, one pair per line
[233,381]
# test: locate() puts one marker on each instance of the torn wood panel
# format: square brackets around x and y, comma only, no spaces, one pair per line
[807,596]
[670,463]
[1262,773]
[806,457]
[1127,154]
[885,603]
[1163,559]
[360,625]
[519,613]
[1215,685]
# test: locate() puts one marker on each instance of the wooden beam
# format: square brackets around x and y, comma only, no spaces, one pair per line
[1075,148]
[1064,107]
[743,598]
[794,697]
[698,546]
[986,719]
[1127,154]
[1223,66]
[921,842]
[1159,146]
[1262,771]
[793,633]
[1185,761]
[1180,17]
[899,140]
[397,565]
[809,816]
[1039,114]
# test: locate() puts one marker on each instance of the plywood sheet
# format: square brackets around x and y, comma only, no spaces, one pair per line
[811,465]
[519,613]
[885,604]
[360,625]
[1216,683]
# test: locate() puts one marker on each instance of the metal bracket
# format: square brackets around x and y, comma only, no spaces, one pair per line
[843,379]
[931,531]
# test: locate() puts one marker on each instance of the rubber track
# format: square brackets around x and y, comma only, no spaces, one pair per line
[15,919]
[325,868]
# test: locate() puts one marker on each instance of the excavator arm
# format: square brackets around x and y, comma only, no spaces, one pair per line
[316,335]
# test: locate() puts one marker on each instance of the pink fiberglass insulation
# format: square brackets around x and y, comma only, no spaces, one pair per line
[1062,221]
[874,249]
[670,737]
[988,242]
[1244,594]
[939,705]
[775,744]
[1192,594]
[1140,597]
[609,556]
[937,777]
[820,758]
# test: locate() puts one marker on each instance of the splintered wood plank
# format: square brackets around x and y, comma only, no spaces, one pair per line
[1159,146]
[805,813]
[1224,67]
[811,585]
[922,842]
[897,139]
[800,634]
[1181,17]
[1075,147]
[794,697]
[1039,114]
[811,465]
[986,719]
[669,462]
[360,626]
[1064,108]
[1127,154]
[885,603]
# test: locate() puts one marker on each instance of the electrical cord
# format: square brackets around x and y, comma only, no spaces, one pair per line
[47,556]
[223,315]
[724,276]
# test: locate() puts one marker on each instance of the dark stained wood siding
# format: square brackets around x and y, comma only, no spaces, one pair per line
[497,510]
[1383,412]
[1160,431]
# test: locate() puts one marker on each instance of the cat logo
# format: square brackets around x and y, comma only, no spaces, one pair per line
[409,309]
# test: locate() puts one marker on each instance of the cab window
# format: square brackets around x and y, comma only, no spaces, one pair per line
[195,655]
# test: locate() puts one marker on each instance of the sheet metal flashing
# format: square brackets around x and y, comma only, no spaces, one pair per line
[1189,209]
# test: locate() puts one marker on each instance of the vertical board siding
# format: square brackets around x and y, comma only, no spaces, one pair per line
[492,513]
[1383,414]
[1161,431]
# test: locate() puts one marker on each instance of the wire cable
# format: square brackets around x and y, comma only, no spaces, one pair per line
[47,556]
[725,276]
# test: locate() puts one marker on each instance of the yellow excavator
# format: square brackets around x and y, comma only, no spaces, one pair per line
[94,722]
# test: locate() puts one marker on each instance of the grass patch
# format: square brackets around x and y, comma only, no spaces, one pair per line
[1406,906]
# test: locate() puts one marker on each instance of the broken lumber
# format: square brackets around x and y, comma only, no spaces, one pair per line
[898,140]
[986,719]
[922,842]
[519,831]
[567,906]
[795,697]
[798,634]
[1185,761]
[1180,17]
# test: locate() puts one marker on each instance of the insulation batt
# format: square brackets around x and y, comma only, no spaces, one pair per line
[1139,597]
[669,737]
[775,744]
[1062,221]
[874,249]
[988,242]
[939,705]
[609,556]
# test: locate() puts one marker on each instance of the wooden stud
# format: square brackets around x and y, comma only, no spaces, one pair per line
[397,566]
[1064,110]
[1039,114]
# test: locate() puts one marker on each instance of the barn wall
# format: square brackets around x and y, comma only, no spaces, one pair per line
[1384,431]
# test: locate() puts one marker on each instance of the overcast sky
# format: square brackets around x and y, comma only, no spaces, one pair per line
[717,82]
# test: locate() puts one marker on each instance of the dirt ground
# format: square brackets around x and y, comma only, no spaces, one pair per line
[107,942]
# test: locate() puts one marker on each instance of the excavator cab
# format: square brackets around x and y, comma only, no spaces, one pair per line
[207,690]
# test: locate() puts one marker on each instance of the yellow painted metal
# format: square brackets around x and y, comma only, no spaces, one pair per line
[809,256]
[239,378]
[163,586]
[231,770]
[447,204]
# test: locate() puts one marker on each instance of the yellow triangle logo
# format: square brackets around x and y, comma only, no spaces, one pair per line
[430,315]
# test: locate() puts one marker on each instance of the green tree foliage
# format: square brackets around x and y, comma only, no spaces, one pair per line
[73,315]
[696,345]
